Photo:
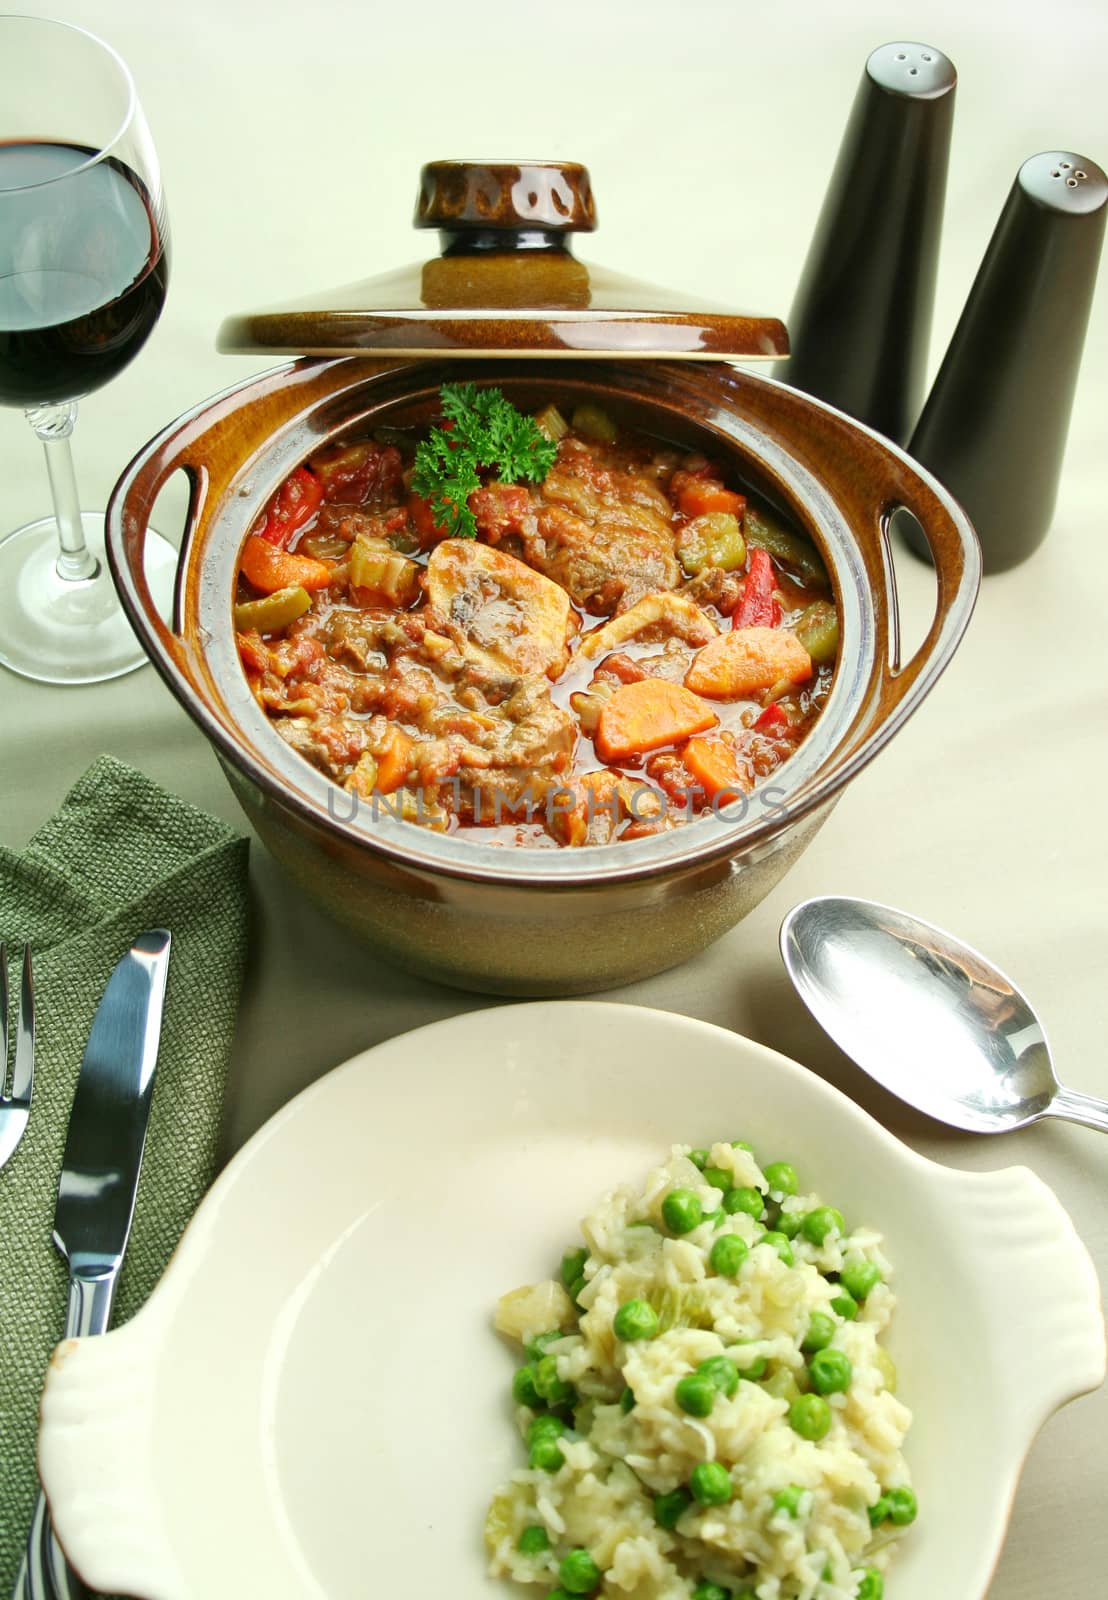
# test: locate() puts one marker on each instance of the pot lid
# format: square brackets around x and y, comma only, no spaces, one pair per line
[506,283]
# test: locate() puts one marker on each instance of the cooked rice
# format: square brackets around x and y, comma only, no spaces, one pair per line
[614,1462]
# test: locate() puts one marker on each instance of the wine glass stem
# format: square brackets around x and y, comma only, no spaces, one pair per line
[53,425]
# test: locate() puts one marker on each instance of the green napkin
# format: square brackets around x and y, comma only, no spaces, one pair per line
[120,856]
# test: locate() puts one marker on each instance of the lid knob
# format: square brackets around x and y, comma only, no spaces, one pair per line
[513,196]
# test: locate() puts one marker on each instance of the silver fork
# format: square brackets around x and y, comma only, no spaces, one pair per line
[15,1106]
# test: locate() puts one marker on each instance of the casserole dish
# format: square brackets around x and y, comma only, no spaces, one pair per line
[477,915]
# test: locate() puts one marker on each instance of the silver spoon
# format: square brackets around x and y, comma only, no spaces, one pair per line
[929,1018]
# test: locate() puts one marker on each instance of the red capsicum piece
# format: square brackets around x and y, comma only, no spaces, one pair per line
[295,503]
[772,719]
[757,608]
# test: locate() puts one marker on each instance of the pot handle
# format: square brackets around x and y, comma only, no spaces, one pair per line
[873,479]
[212,445]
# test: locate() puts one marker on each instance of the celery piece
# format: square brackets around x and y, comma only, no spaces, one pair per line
[376,570]
[593,422]
[324,547]
[711,540]
[551,422]
[274,611]
[817,628]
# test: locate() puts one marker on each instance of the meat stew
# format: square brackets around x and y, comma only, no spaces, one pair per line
[626,643]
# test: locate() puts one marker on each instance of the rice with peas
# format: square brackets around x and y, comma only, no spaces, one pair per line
[706,1408]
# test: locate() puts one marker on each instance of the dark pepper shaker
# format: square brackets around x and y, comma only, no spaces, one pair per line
[861,320]
[995,423]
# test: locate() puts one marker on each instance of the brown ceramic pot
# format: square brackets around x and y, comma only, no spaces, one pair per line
[523,921]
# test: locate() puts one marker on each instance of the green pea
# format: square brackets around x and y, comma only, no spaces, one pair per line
[578,1572]
[682,1211]
[810,1416]
[871,1587]
[558,1594]
[781,1178]
[819,1223]
[576,1287]
[717,1178]
[545,1454]
[789,1223]
[752,1370]
[524,1392]
[635,1319]
[830,1371]
[859,1277]
[746,1200]
[845,1305]
[700,1158]
[540,1343]
[728,1254]
[545,1427]
[627,1401]
[716,1218]
[878,1511]
[779,1243]
[546,1380]
[710,1483]
[696,1394]
[573,1266]
[903,1506]
[723,1373]
[534,1540]
[821,1331]
[669,1508]
[707,1590]
[741,1144]
[788,1500]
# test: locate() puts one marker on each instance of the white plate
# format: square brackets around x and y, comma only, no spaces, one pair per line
[313,1402]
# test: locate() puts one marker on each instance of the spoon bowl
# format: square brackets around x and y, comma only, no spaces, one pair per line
[927,1016]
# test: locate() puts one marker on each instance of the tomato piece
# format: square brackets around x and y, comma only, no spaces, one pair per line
[772,719]
[357,473]
[757,607]
[295,503]
[421,514]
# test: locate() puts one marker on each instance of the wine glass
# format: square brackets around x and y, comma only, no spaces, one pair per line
[84,262]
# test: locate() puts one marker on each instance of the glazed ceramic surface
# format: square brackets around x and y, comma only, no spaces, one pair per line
[313,1404]
[550,922]
[506,282]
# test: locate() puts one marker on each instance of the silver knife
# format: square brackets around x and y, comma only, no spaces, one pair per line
[96,1193]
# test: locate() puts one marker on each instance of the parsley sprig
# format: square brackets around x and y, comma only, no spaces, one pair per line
[487,435]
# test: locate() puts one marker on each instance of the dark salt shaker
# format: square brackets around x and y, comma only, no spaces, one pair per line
[995,423]
[861,320]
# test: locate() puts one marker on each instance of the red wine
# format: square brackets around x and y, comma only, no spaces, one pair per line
[84,263]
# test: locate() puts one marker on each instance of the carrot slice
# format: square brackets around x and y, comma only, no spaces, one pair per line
[646,715]
[270,569]
[716,767]
[392,764]
[696,496]
[742,662]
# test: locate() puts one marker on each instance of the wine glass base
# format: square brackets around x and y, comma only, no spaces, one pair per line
[58,630]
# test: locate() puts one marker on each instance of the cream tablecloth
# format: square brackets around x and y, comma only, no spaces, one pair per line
[290,144]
